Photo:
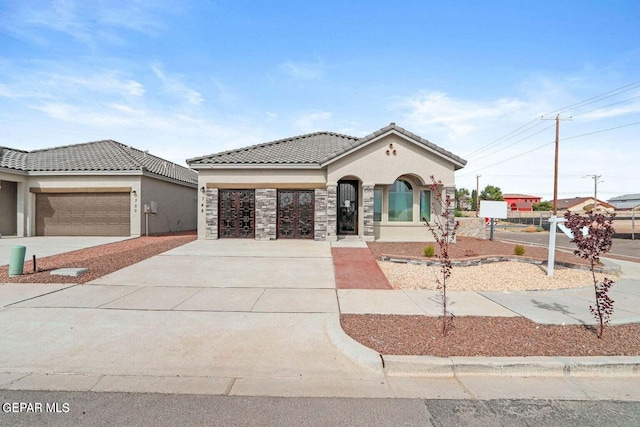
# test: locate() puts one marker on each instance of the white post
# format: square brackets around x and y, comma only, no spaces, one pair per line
[552,244]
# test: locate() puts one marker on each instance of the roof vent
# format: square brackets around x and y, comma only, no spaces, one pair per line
[392,124]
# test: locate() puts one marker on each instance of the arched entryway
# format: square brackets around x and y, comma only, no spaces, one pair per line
[348,202]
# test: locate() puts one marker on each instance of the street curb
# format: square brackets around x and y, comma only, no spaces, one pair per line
[351,348]
[417,366]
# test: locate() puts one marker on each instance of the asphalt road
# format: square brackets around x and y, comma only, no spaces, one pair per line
[137,409]
[625,247]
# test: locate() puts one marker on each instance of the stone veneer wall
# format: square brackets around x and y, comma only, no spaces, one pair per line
[320,215]
[367,205]
[266,211]
[211,213]
[332,212]
[472,227]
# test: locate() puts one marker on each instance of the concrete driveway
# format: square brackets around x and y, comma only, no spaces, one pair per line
[47,246]
[238,317]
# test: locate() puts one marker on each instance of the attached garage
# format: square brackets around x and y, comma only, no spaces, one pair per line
[237,213]
[83,214]
[295,214]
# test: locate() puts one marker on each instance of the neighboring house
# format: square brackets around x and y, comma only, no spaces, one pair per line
[583,204]
[626,202]
[520,202]
[97,188]
[324,185]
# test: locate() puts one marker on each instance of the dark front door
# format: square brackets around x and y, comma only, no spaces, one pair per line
[348,207]
[295,214]
[236,213]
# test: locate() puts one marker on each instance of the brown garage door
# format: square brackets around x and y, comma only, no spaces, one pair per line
[83,214]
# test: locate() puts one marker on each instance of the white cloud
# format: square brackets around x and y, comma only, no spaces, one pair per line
[88,22]
[173,84]
[302,71]
[456,117]
[307,123]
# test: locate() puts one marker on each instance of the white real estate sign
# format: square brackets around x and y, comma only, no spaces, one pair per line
[493,209]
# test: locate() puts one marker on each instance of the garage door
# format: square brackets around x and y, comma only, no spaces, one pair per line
[83,214]
[236,213]
[295,214]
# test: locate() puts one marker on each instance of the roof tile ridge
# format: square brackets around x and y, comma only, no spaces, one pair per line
[269,143]
[4,147]
[40,150]
[126,150]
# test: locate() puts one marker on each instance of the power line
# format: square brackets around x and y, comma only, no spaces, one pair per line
[549,143]
[605,106]
[588,101]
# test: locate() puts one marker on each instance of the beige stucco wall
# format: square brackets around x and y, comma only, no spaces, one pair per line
[372,165]
[21,202]
[177,205]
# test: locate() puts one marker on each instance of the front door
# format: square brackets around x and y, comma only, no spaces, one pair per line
[295,214]
[348,207]
[236,213]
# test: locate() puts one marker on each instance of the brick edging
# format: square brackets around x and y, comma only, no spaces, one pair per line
[475,261]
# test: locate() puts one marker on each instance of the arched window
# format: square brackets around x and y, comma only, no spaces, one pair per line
[401,201]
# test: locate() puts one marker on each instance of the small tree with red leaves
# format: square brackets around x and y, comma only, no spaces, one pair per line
[597,240]
[443,229]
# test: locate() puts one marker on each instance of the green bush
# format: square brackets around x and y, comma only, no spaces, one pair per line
[429,251]
[518,250]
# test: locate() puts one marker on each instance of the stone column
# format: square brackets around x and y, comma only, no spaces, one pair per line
[320,215]
[266,219]
[367,210]
[211,214]
[332,212]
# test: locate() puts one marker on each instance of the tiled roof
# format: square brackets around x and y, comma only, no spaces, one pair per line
[13,159]
[569,203]
[94,157]
[625,198]
[315,148]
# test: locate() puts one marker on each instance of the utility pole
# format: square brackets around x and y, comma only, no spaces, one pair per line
[553,221]
[477,194]
[596,181]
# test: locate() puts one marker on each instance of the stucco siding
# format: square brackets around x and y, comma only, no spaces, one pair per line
[177,206]
[372,164]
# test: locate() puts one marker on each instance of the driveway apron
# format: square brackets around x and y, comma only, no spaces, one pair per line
[243,310]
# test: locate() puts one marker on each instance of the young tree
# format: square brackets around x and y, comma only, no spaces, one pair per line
[443,231]
[596,241]
[474,201]
[491,192]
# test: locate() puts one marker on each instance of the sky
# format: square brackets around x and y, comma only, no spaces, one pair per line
[191,78]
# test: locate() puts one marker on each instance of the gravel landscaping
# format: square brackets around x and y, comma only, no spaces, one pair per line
[100,260]
[485,336]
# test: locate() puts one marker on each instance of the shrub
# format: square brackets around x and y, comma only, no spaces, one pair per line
[519,250]
[429,251]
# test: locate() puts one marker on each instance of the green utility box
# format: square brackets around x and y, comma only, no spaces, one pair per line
[16,263]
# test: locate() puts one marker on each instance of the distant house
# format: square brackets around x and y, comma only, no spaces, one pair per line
[94,189]
[626,202]
[520,202]
[583,204]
